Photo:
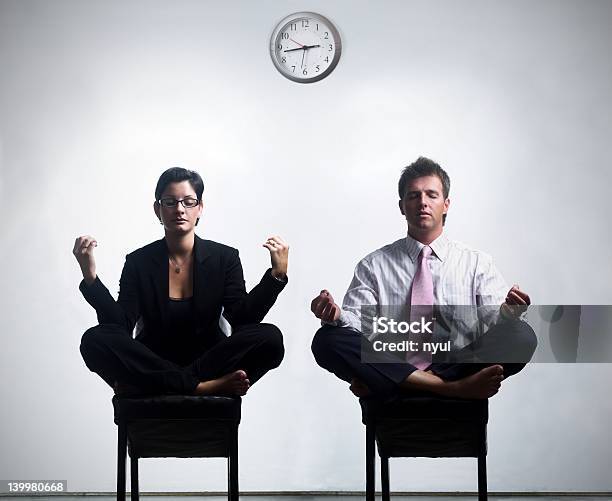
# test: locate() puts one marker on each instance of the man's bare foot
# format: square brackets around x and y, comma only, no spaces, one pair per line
[234,383]
[359,389]
[483,384]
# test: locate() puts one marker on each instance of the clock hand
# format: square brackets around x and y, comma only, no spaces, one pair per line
[303,54]
[301,45]
[305,47]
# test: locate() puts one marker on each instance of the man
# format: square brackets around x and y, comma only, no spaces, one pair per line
[425,268]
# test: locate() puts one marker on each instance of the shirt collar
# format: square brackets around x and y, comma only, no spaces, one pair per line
[439,247]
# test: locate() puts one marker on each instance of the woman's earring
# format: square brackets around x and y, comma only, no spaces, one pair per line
[197,221]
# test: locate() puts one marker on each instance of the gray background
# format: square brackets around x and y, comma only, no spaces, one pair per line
[97,98]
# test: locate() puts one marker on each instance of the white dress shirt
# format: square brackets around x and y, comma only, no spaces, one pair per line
[460,275]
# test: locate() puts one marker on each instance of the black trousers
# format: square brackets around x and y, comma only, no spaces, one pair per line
[339,350]
[111,352]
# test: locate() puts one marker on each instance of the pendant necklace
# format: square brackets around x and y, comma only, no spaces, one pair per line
[177,267]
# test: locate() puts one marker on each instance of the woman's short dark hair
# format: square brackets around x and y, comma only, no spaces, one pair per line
[421,167]
[177,175]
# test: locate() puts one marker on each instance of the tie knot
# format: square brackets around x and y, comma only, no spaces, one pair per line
[425,252]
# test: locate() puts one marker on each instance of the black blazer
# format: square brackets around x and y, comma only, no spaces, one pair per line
[218,282]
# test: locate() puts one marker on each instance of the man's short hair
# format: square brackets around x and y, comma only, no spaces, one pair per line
[421,167]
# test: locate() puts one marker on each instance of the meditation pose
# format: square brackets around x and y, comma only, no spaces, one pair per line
[424,271]
[174,291]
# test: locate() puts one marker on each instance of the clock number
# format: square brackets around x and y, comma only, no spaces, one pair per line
[331,47]
[317,26]
[285,36]
[305,23]
[283,59]
[293,69]
[280,46]
[327,59]
[293,26]
[304,72]
[326,36]
[317,68]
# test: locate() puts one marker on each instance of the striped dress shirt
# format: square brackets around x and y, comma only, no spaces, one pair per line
[460,274]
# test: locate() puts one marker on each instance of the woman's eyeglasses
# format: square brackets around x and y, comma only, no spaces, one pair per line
[188,203]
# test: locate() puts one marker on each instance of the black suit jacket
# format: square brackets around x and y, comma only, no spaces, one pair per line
[218,282]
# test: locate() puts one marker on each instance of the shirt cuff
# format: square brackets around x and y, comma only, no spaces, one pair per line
[343,320]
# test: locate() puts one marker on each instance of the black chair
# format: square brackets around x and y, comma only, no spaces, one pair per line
[179,426]
[424,426]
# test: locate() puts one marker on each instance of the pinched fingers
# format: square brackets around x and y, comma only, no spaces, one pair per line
[276,244]
[323,307]
[330,312]
[517,296]
[83,244]
[319,303]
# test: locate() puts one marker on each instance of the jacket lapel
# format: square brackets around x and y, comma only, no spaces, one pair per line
[159,277]
[201,275]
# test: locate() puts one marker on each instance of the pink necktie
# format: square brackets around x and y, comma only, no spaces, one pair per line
[421,306]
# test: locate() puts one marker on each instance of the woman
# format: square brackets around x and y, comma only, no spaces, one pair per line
[174,291]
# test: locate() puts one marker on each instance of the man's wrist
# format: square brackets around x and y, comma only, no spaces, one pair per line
[508,313]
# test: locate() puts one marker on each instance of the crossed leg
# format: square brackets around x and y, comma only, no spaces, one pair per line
[230,366]
[338,350]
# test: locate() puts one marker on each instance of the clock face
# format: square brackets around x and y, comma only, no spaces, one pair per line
[305,47]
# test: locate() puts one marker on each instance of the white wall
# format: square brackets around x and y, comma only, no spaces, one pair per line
[97,98]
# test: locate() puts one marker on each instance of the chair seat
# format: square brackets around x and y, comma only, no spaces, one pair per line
[178,425]
[423,407]
[427,426]
[176,407]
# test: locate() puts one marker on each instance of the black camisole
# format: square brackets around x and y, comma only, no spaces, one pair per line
[180,316]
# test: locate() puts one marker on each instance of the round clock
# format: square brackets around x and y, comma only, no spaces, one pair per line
[305,47]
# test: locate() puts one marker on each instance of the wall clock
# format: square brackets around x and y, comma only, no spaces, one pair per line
[305,47]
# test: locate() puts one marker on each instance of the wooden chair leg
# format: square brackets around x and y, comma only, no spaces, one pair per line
[121,455]
[370,463]
[232,465]
[134,478]
[482,478]
[384,476]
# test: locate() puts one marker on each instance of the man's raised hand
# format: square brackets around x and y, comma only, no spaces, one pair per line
[323,307]
[517,302]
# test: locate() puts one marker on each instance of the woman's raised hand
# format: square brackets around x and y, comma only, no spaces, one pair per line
[279,255]
[84,253]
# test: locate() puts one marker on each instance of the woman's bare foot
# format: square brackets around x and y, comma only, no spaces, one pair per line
[483,384]
[234,383]
[359,388]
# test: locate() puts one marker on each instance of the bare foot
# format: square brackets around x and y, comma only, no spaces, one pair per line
[234,383]
[359,389]
[483,384]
